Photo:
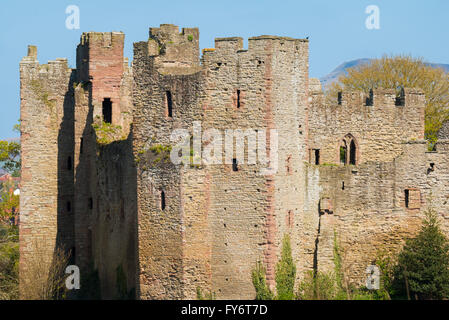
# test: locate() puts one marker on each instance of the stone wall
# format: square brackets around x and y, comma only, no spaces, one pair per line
[366,206]
[378,129]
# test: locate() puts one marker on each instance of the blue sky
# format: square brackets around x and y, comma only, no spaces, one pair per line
[336,29]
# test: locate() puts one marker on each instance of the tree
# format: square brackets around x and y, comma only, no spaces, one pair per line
[402,72]
[10,157]
[285,272]
[258,276]
[9,262]
[422,271]
[9,202]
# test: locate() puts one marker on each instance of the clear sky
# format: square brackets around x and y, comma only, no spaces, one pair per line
[336,29]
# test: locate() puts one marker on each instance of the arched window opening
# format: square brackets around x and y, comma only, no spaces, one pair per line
[352,155]
[348,151]
[343,151]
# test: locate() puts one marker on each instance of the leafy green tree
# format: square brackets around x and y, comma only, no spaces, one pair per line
[285,272]
[402,71]
[9,202]
[258,276]
[10,155]
[422,271]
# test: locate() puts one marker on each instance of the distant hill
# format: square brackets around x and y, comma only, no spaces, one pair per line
[342,69]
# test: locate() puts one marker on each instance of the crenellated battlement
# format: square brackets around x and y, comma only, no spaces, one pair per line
[377,98]
[232,46]
[172,48]
[104,39]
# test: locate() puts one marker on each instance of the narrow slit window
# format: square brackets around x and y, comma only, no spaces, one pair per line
[339,98]
[81,145]
[69,163]
[238,98]
[72,256]
[235,166]
[317,156]
[91,203]
[407,198]
[69,206]
[107,110]
[169,100]
[163,204]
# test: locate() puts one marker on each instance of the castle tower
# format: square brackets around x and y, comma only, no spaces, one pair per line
[46,218]
[206,227]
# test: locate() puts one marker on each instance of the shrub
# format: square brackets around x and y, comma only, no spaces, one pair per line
[422,271]
[9,262]
[285,272]
[258,276]
[45,278]
[317,286]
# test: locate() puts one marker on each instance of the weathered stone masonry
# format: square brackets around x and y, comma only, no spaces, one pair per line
[111,196]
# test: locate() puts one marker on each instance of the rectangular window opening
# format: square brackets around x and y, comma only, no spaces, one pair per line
[69,163]
[235,166]
[107,110]
[317,156]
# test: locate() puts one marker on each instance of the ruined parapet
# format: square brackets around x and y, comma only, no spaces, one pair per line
[172,48]
[315,86]
[100,61]
[46,217]
[378,120]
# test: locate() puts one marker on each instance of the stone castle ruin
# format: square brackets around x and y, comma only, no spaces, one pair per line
[97,178]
